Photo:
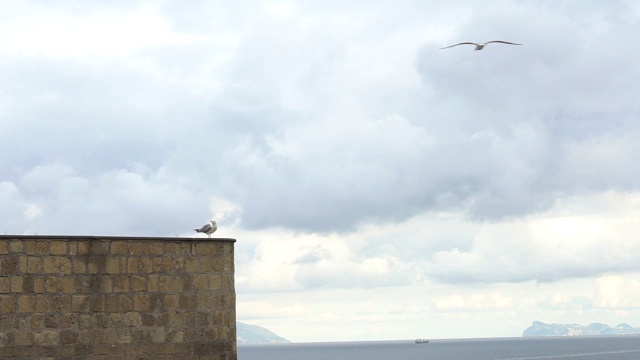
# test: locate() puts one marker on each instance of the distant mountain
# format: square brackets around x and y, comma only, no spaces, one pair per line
[541,329]
[253,334]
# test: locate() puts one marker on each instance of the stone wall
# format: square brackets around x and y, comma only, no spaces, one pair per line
[73,297]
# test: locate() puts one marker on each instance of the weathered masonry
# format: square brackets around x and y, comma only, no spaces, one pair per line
[85,297]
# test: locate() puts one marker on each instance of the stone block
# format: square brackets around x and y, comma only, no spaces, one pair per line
[179,263]
[125,303]
[132,264]
[37,321]
[96,303]
[42,248]
[157,335]
[57,265]
[187,302]
[105,284]
[29,247]
[141,302]
[115,320]
[138,248]
[9,265]
[55,304]
[50,265]
[95,265]
[168,265]
[83,248]
[68,337]
[137,335]
[210,264]
[51,284]
[176,284]
[103,320]
[58,248]
[111,303]
[79,265]
[121,283]
[191,265]
[152,283]
[215,282]
[64,266]
[68,321]
[206,300]
[145,265]
[22,338]
[17,283]
[132,319]
[65,352]
[41,303]
[113,265]
[201,282]
[80,303]
[175,336]
[38,284]
[119,247]
[175,320]
[5,285]
[16,246]
[206,248]
[27,284]
[85,284]
[4,247]
[26,303]
[73,247]
[98,247]
[172,249]
[34,264]
[156,248]
[203,319]
[51,321]
[138,283]
[170,302]
[187,282]
[22,264]
[67,285]
[228,283]
[164,283]
[66,303]
[46,337]
[110,336]
[157,264]
[85,337]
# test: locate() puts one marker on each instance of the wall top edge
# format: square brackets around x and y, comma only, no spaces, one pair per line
[94,237]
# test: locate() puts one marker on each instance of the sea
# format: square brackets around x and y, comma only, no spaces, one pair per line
[619,347]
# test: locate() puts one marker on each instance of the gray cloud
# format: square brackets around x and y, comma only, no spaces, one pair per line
[302,121]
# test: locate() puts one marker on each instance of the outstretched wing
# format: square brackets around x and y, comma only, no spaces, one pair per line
[462,43]
[501,42]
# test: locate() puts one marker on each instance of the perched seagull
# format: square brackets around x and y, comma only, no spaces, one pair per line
[481,45]
[208,228]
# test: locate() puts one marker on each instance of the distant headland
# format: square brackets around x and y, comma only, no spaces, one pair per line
[541,329]
[253,334]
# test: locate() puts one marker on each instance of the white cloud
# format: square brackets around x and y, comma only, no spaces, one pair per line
[617,292]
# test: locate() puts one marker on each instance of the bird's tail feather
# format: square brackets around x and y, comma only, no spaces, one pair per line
[196,230]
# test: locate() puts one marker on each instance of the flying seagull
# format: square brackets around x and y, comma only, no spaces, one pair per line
[208,228]
[480,46]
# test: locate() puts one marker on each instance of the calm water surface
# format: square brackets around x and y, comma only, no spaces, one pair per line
[587,348]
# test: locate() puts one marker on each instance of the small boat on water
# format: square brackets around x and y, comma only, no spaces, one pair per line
[422,341]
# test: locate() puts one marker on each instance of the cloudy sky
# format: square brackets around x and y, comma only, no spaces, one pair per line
[378,187]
